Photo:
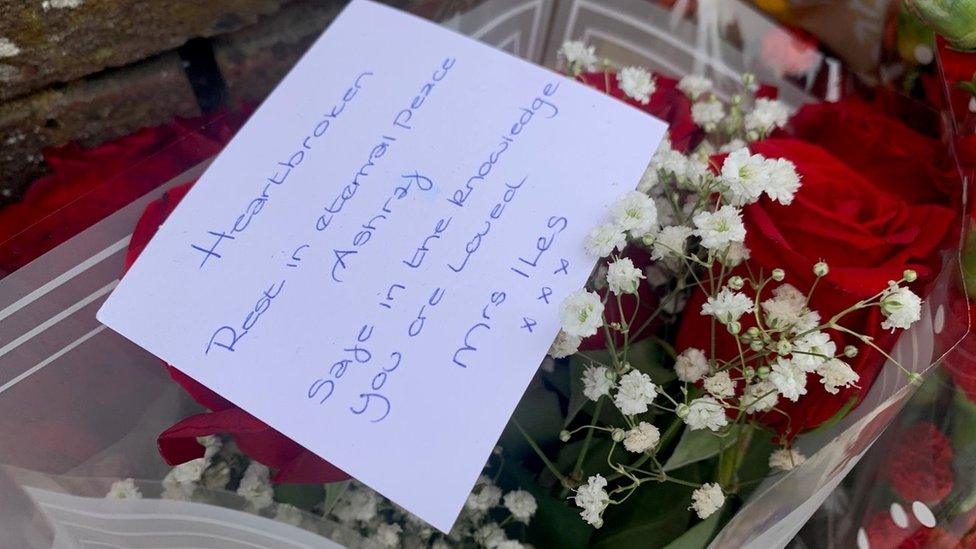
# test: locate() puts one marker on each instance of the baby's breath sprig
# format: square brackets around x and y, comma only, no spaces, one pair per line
[687,214]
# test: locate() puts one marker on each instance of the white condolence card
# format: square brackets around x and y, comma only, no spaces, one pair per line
[374,264]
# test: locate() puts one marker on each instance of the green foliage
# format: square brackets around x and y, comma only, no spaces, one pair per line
[698,536]
[556,522]
[699,445]
[303,496]
[540,415]
[333,491]
[963,436]
[653,516]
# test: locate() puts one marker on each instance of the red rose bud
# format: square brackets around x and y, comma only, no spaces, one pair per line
[920,468]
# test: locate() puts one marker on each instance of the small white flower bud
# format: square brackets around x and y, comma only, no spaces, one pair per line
[763,371]
[611,375]
[734,327]
[910,275]
[756,345]
[850,351]
[779,275]
[749,372]
[821,269]
[617,435]
[564,435]
[753,332]
[736,283]
[783,347]
[682,411]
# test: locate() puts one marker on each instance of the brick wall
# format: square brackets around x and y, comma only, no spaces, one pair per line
[94,70]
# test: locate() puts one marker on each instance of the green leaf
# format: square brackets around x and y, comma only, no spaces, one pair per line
[648,357]
[655,515]
[755,462]
[577,400]
[699,535]
[596,457]
[963,421]
[963,436]
[540,415]
[556,522]
[333,491]
[699,445]
[303,496]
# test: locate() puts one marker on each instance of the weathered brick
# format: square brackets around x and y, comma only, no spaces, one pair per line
[42,42]
[254,59]
[91,110]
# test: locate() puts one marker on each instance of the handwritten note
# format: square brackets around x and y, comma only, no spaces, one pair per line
[374,264]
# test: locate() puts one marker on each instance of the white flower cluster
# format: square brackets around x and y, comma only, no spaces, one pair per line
[593,498]
[579,57]
[747,118]
[359,517]
[900,307]
[748,176]
[785,459]
[124,489]
[688,214]
[636,83]
[634,214]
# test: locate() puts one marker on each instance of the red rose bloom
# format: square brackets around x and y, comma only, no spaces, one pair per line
[178,444]
[920,468]
[866,234]
[885,151]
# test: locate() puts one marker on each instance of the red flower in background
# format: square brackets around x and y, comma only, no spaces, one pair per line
[86,185]
[920,464]
[883,533]
[257,440]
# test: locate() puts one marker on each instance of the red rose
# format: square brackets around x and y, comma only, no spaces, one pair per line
[882,149]
[667,103]
[867,236]
[920,464]
[292,462]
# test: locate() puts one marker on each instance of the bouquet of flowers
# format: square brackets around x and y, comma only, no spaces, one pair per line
[749,289]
